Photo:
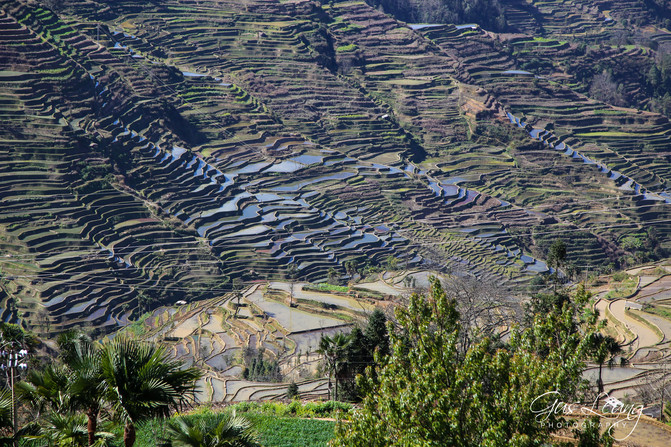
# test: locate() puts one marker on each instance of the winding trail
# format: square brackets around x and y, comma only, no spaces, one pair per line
[646,336]
[662,323]
[602,306]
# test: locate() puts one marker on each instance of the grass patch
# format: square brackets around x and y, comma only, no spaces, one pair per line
[138,328]
[327,409]
[347,48]
[352,27]
[292,432]
[366,293]
[658,310]
[623,286]
[613,134]
[278,424]
[326,287]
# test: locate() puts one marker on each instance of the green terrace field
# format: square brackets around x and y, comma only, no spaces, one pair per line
[154,152]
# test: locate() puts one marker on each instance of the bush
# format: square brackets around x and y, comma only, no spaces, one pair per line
[246,406]
[292,392]
[620,276]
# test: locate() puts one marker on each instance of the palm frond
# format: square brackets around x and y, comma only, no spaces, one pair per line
[220,430]
[141,381]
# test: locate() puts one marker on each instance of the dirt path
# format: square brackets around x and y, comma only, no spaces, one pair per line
[601,306]
[645,433]
[662,323]
[646,336]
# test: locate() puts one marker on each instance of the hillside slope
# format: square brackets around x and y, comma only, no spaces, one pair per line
[154,151]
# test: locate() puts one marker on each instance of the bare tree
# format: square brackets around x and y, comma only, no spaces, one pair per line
[292,274]
[605,89]
[484,307]
[237,291]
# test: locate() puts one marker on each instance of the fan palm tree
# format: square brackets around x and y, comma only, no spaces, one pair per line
[220,430]
[66,430]
[334,350]
[84,387]
[46,390]
[10,437]
[140,382]
[6,423]
[73,386]
[604,348]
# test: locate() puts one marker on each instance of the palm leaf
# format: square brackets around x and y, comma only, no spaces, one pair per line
[220,430]
[140,381]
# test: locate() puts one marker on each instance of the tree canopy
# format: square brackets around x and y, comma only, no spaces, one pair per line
[430,393]
[127,380]
[487,13]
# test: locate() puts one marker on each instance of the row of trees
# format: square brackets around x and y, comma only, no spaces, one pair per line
[259,368]
[122,381]
[347,356]
[487,13]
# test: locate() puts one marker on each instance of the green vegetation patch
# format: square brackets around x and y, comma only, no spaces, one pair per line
[326,287]
[278,424]
[660,311]
[623,285]
[273,431]
[610,134]
[347,48]
[327,409]
[292,432]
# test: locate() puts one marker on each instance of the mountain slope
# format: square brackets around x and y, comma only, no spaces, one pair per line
[154,151]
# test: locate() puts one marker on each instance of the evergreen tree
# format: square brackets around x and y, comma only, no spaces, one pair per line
[360,353]
[377,337]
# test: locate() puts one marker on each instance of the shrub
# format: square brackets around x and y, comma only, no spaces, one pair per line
[292,393]
[620,276]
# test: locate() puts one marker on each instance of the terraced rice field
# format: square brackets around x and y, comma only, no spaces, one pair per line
[642,323]
[215,334]
[150,153]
